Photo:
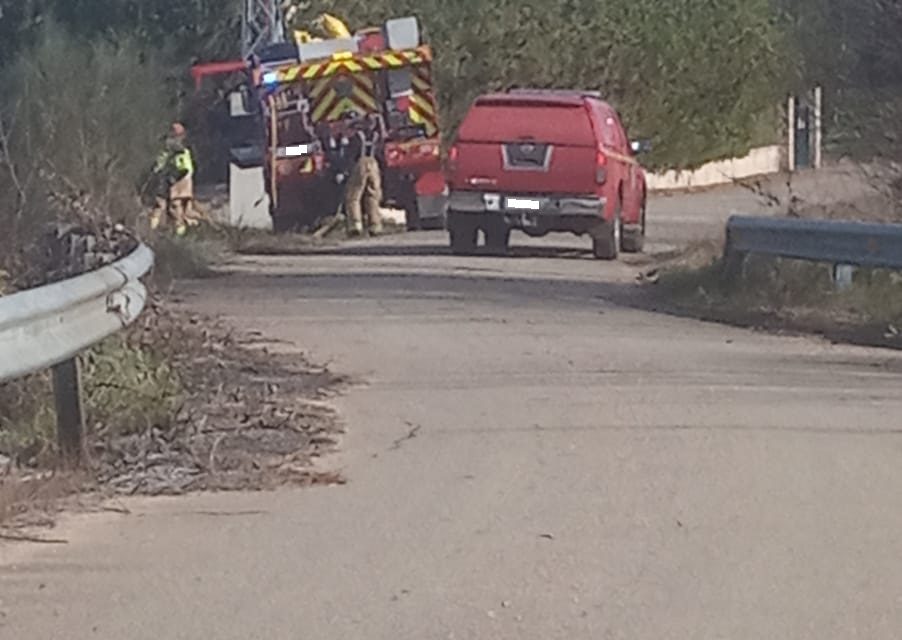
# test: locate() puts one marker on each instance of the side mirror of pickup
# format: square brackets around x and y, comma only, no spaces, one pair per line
[641,146]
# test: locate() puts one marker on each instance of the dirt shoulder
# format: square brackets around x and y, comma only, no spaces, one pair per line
[777,295]
[182,403]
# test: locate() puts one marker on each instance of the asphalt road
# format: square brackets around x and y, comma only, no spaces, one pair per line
[528,458]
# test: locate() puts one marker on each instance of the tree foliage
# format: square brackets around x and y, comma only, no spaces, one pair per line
[183,29]
[78,125]
[701,78]
[854,49]
[698,77]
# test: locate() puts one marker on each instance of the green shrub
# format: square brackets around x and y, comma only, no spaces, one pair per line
[702,78]
[126,388]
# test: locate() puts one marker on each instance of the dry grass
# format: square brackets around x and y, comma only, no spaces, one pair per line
[33,501]
[264,243]
[788,294]
[253,242]
[793,294]
[127,388]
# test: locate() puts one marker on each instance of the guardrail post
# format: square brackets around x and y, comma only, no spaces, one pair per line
[843,276]
[734,265]
[69,418]
[733,260]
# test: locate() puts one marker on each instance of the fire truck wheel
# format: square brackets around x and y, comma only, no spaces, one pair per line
[282,224]
[463,233]
[412,213]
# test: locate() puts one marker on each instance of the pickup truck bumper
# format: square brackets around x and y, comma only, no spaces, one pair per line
[531,212]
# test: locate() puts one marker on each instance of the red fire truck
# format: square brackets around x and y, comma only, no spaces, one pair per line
[305,97]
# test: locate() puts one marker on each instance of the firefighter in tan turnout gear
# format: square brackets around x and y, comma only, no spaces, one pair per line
[175,172]
[363,196]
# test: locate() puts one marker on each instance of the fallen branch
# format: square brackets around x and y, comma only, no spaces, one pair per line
[328,226]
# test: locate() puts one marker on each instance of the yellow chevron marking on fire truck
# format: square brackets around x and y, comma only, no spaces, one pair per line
[422,104]
[344,105]
[322,107]
[421,84]
[319,88]
[417,118]
[334,68]
[312,71]
[366,99]
[356,64]
[365,80]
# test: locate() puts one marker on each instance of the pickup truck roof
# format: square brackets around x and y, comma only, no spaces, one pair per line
[529,99]
[557,92]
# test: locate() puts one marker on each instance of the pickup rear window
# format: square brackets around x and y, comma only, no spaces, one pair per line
[561,124]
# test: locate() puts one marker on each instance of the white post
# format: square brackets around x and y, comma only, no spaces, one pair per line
[248,202]
[818,127]
[791,134]
[843,276]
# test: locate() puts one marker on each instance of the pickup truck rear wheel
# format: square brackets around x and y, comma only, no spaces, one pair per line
[463,234]
[497,238]
[606,239]
[634,238]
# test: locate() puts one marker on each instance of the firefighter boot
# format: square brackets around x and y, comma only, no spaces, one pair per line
[156,216]
[178,213]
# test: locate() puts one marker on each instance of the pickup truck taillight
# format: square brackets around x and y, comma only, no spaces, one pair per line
[601,167]
[453,155]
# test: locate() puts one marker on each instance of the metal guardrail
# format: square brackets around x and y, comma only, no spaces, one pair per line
[48,326]
[856,244]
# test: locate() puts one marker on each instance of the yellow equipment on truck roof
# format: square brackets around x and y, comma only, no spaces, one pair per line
[333,27]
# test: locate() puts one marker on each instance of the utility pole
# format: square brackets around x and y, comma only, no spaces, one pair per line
[818,127]
[791,134]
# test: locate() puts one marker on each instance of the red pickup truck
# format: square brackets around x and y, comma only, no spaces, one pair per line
[543,161]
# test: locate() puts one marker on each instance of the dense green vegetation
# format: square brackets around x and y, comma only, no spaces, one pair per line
[696,76]
[854,49]
[702,79]
[699,77]
[90,86]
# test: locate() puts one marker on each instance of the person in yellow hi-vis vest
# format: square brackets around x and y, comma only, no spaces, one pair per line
[363,196]
[175,171]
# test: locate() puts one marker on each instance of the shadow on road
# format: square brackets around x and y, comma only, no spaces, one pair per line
[431,250]
[514,290]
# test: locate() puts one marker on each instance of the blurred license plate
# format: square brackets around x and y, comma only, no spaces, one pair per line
[522,204]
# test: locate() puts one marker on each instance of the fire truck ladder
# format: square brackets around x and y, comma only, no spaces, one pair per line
[262,25]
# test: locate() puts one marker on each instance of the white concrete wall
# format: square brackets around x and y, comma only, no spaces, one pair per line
[760,161]
[248,202]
